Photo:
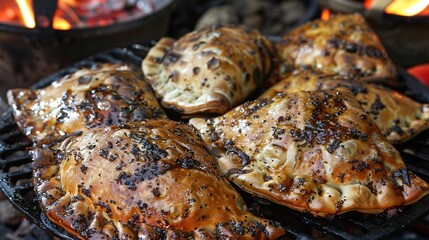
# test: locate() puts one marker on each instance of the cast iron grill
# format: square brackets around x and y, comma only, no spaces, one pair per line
[16,173]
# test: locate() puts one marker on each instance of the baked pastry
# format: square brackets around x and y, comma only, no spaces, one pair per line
[344,44]
[208,71]
[94,97]
[148,180]
[399,117]
[311,151]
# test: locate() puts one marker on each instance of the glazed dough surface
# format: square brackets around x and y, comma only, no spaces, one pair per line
[95,97]
[150,180]
[399,117]
[311,151]
[344,44]
[210,70]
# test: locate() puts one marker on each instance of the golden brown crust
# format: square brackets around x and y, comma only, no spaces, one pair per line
[210,70]
[311,151]
[399,117]
[344,44]
[94,97]
[149,180]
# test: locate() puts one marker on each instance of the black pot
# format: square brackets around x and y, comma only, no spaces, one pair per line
[27,55]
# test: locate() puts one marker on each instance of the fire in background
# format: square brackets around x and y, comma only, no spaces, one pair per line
[76,13]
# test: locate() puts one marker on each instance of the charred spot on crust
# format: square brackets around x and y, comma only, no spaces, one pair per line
[252,107]
[376,107]
[62,115]
[188,163]
[323,128]
[84,79]
[254,229]
[80,223]
[172,57]
[230,148]
[120,166]
[359,166]
[213,135]
[236,171]
[146,171]
[151,151]
[105,206]
[213,63]
[396,129]
[277,132]
[196,46]
[104,153]
[341,177]
[333,145]
[404,174]
[237,227]
[247,77]
[174,76]
[155,191]
[86,191]
[196,70]
[357,88]
[83,168]
[142,205]
[339,205]
[357,48]
[356,134]
[135,151]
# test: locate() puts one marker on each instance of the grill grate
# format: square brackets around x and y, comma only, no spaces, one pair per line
[16,173]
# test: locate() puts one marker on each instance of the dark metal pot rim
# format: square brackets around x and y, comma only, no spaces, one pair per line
[161,7]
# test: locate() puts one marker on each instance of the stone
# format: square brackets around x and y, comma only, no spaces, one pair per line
[224,15]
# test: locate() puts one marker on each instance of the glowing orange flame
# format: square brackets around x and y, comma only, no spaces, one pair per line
[27,16]
[65,15]
[326,14]
[69,14]
[407,7]
[404,7]
[368,3]
[26,13]
[61,24]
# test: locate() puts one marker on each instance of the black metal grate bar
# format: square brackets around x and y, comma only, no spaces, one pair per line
[326,227]
[296,234]
[9,148]
[24,188]
[7,121]
[357,223]
[422,153]
[15,161]
[24,173]
[418,170]
[11,134]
